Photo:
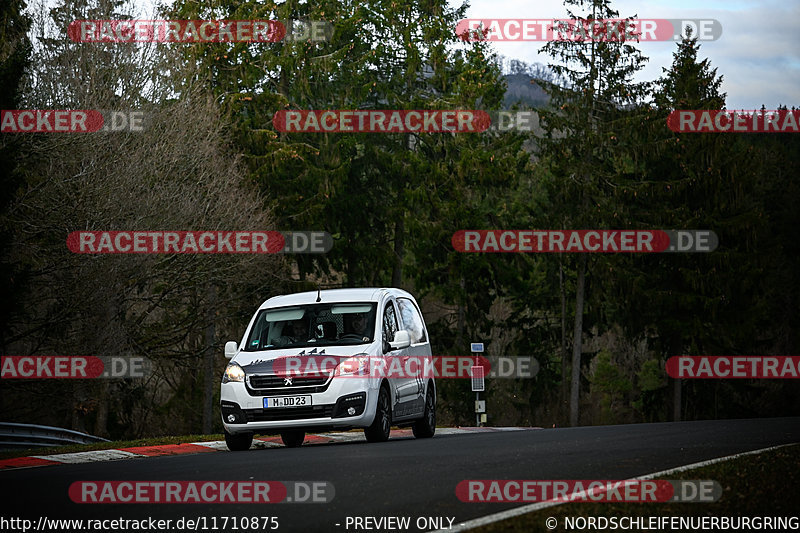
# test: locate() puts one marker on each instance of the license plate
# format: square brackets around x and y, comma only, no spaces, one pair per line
[287,401]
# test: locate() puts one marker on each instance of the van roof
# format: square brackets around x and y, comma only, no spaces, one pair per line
[371,294]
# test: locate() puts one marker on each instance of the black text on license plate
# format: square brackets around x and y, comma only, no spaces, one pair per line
[287,401]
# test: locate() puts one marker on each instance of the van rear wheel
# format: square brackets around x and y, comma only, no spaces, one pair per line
[425,427]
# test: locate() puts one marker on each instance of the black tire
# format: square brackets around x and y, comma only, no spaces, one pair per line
[425,427]
[238,442]
[293,439]
[382,425]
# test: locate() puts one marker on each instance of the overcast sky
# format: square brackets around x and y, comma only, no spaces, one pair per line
[758,54]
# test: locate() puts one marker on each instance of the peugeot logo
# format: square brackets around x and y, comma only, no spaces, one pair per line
[287,381]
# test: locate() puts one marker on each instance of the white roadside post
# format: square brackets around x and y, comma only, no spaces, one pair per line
[476,373]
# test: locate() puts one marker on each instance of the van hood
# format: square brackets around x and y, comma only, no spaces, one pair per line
[262,361]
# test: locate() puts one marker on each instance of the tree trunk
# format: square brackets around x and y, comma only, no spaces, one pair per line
[208,358]
[676,348]
[577,344]
[564,363]
[399,251]
[115,317]
[101,414]
[79,401]
[460,323]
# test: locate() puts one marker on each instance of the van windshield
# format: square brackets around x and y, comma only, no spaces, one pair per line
[303,326]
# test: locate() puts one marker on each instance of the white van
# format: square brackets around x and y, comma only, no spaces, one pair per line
[345,331]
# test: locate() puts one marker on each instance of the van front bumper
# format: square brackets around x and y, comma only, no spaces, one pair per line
[347,402]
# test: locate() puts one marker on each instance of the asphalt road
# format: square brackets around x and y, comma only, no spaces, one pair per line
[402,477]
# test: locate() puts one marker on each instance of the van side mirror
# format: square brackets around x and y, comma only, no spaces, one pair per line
[230,349]
[401,340]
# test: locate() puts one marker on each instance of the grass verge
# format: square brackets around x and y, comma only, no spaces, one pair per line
[72,448]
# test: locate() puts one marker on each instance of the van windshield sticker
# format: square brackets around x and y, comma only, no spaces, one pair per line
[294,313]
[344,309]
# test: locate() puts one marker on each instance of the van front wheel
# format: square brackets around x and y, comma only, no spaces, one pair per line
[381,426]
[293,439]
[238,442]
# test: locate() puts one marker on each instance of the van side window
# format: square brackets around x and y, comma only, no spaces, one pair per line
[412,321]
[389,323]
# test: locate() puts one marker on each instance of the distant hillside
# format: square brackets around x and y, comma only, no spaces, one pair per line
[519,75]
[522,91]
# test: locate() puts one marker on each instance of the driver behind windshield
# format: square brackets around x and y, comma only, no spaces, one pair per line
[294,332]
[358,325]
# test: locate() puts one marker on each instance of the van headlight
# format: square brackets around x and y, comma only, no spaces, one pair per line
[356,365]
[233,372]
